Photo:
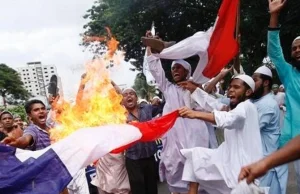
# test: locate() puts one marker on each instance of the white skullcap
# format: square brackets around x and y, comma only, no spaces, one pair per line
[128,89]
[142,100]
[264,70]
[248,80]
[297,38]
[185,65]
[156,97]
[281,86]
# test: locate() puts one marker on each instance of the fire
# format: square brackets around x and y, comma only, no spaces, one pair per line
[98,103]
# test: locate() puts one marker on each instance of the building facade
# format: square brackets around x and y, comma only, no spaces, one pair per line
[36,78]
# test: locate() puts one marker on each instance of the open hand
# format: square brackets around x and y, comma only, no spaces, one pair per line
[275,6]
[187,113]
[253,171]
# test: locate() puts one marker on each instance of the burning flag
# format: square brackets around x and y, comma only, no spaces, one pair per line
[89,129]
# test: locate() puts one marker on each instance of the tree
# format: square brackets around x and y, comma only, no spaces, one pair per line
[19,110]
[178,19]
[11,84]
[142,89]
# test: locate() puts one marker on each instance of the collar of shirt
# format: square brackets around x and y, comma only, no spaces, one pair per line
[45,131]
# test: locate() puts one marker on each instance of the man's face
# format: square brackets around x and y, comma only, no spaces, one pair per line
[237,92]
[38,114]
[259,86]
[155,101]
[281,89]
[296,50]
[7,120]
[179,73]
[275,90]
[129,99]
[19,122]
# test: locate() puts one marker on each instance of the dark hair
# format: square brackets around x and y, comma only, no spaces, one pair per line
[267,78]
[5,113]
[28,105]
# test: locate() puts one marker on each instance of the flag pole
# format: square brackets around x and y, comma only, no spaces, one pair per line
[237,62]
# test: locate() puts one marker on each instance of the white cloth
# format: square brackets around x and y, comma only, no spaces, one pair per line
[186,133]
[79,184]
[248,80]
[241,147]
[244,188]
[193,45]
[280,98]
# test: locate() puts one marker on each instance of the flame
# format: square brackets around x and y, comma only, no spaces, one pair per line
[98,103]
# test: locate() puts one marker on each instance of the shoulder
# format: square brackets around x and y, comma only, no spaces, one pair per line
[31,128]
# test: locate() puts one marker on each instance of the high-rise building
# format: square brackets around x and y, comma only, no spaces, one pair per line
[36,78]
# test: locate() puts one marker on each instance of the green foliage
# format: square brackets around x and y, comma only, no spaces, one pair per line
[178,19]
[142,89]
[19,110]
[11,84]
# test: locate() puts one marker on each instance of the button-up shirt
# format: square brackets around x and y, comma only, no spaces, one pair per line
[141,149]
[41,138]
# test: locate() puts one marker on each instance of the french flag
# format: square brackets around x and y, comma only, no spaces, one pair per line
[216,47]
[49,171]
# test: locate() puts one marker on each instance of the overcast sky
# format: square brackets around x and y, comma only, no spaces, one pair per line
[48,31]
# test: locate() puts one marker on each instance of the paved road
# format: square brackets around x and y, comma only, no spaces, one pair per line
[292,185]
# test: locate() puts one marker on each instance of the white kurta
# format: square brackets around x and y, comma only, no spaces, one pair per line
[217,170]
[186,133]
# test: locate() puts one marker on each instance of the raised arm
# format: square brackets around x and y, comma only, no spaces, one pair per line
[212,84]
[274,47]
[157,70]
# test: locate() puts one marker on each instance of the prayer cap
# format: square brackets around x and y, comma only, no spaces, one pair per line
[185,65]
[275,86]
[264,70]
[248,80]
[128,89]
[297,38]
[156,97]
[281,86]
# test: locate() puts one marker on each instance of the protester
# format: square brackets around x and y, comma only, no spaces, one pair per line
[186,133]
[36,136]
[2,134]
[289,75]
[18,120]
[269,123]
[112,177]
[217,170]
[6,119]
[140,161]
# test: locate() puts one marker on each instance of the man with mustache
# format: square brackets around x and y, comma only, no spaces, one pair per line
[186,133]
[36,136]
[269,123]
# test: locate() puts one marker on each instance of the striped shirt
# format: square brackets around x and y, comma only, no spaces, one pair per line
[41,138]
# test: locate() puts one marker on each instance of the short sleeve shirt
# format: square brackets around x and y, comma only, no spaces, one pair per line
[41,138]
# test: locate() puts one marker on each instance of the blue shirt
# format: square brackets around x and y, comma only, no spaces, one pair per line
[141,149]
[290,77]
[269,123]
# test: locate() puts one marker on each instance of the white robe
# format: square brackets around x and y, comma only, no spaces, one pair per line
[217,170]
[186,133]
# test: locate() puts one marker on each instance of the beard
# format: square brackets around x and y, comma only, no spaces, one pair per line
[241,98]
[296,64]
[258,93]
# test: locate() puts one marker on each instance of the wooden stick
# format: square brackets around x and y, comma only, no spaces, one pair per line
[237,62]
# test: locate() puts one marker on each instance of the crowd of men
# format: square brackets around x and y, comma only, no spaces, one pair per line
[225,139]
